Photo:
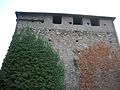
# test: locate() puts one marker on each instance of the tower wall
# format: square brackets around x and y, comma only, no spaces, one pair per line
[66,38]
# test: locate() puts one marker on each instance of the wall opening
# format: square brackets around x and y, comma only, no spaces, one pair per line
[77,20]
[104,24]
[32,20]
[57,19]
[88,23]
[76,40]
[49,39]
[70,22]
[50,30]
[94,22]
[42,21]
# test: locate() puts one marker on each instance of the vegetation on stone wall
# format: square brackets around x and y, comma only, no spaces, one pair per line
[31,64]
[100,67]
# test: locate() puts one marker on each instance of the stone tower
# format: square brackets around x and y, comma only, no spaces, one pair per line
[68,32]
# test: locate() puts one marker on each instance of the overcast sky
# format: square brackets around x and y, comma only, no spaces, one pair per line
[87,7]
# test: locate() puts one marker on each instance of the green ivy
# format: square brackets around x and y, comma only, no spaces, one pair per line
[31,64]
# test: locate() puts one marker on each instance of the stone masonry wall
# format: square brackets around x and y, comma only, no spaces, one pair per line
[66,38]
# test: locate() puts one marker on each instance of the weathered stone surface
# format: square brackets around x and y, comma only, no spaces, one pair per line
[66,38]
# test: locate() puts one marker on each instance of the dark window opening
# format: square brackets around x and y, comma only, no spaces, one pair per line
[77,21]
[94,22]
[57,19]
[70,22]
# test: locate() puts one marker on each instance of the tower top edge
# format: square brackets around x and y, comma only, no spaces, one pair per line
[20,13]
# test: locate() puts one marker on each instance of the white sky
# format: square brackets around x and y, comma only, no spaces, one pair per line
[87,7]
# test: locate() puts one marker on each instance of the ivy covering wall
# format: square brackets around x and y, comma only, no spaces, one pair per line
[31,64]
